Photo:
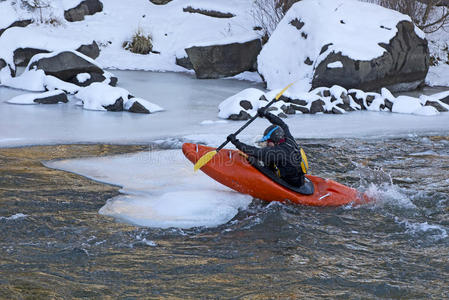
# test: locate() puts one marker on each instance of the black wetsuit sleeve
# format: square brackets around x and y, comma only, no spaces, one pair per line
[277,121]
[260,153]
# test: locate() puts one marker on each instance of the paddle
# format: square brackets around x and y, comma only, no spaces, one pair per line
[208,156]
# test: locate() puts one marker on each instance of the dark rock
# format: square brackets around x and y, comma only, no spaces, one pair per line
[357,100]
[246,104]
[288,109]
[90,50]
[86,7]
[326,93]
[297,23]
[308,61]
[336,111]
[388,104]
[298,102]
[346,99]
[184,62]
[403,66]
[160,2]
[345,107]
[217,61]
[445,100]
[437,105]
[22,56]
[20,23]
[263,98]
[113,81]
[117,106]
[317,106]
[138,108]
[61,97]
[370,99]
[302,109]
[325,47]
[243,115]
[284,98]
[3,64]
[282,115]
[209,13]
[66,65]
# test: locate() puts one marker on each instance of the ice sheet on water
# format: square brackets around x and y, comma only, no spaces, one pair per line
[161,190]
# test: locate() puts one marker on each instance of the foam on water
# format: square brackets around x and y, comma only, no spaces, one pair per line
[161,190]
[387,194]
[14,217]
[434,232]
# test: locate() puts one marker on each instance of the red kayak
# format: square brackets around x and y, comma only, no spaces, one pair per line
[232,168]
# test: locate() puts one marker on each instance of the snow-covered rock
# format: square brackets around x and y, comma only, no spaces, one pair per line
[333,100]
[139,105]
[375,46]
[101,96]
[50,97]
[15,42]
[67,65]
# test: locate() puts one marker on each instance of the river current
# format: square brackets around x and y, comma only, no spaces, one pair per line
[54,244]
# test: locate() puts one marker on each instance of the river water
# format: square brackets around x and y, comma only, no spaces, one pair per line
[55,244]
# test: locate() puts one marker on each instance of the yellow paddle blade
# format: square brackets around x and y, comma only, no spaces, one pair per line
[304,163]
[204,160]
[283,90]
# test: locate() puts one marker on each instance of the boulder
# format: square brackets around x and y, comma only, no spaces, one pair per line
[138,108]
[350,50]
[217,61]
[67,65]
[54,99]
[86,7]
[22,56]
[19,23]
[403,66]
[91,50]
[243,115]
[117,106]
[160,2]
[3,64]
[437,105]
[317,106]
[184,62]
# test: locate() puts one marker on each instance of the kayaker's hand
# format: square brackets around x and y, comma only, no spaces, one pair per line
[261,112]
[231,138]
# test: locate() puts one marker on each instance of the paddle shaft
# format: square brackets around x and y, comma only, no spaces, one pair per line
[246,124]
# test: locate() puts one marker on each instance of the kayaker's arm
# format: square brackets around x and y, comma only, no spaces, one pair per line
[260,153]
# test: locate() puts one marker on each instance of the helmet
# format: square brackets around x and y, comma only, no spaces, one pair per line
[273,133]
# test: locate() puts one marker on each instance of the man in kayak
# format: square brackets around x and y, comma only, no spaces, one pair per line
[282,153]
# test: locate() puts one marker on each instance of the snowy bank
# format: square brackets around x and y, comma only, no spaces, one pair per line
[334,100]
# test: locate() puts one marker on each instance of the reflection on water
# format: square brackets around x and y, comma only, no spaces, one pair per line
[394,248]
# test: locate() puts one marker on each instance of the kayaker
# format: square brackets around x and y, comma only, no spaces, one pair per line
[281,154]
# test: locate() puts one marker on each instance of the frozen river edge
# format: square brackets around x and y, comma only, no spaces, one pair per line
[191,114]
